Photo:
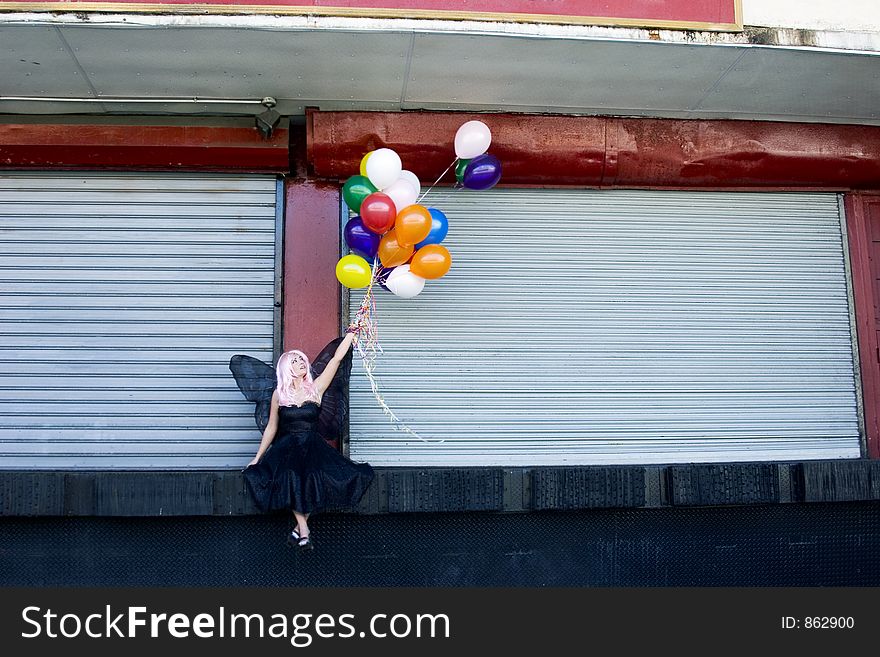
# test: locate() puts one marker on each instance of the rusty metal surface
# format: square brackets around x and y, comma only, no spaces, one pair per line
[605,151]
[182,148]
[311,250]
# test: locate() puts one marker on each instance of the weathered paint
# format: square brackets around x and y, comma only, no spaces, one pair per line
[606,151]
[311,250]
[841,15]
[693,14]
[167,148]
[863,228]
[312,302]
[754,33]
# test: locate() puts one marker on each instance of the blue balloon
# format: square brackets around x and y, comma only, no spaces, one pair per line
[482,172]
[361,240]
[439,228]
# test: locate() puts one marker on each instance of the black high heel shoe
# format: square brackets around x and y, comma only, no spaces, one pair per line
[305,544]
[293,538]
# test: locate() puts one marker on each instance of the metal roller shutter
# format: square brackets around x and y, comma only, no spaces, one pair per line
[597,327]
[122,298]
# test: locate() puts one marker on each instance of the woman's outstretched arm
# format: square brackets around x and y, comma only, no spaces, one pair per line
[323,382]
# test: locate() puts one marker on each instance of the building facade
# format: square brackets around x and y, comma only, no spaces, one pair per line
[667,306]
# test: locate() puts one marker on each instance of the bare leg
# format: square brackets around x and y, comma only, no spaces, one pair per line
[302,526]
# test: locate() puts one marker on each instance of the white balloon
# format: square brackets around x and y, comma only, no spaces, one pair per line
[402,193]
[472,139]
[413,180]
[403,283]
[383,167]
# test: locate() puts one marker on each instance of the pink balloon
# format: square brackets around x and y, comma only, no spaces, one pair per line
[472,139]
[402,193]
[412,179]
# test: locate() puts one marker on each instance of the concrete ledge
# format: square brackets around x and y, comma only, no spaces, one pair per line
[432,490]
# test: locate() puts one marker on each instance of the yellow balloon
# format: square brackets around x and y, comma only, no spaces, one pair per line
[353,271]
[364,163]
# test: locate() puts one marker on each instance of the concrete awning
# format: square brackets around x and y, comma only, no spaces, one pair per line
[342,64]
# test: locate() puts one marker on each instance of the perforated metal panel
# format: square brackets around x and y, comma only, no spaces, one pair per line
[797,545]
[596,327]
[122,298]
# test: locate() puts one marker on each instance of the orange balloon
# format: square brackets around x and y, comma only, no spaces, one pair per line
[413,224]
[392,252]
[431,261]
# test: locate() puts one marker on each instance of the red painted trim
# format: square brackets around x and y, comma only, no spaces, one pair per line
[197,148]
[604,151]
[863,220]
[612,148]
[310,315]
[692,14]
[692,11]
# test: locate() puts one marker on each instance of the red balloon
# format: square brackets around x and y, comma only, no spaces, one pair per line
[378,213]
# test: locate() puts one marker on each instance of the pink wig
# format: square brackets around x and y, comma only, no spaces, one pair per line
[289,393]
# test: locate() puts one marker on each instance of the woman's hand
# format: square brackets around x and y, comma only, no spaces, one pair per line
[254,461]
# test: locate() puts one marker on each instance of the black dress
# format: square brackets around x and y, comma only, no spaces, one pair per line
[300,470]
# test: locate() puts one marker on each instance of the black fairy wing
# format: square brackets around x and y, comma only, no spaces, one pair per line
[334,403]
[256,380]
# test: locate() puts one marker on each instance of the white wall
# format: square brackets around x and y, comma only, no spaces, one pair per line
[851,15]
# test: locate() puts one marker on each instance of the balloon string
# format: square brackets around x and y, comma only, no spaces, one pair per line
[425,193]
[367,345]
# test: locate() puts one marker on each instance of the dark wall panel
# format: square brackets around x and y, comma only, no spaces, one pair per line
[820,544]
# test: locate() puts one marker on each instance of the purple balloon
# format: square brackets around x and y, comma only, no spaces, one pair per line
[361,240]
[482,172]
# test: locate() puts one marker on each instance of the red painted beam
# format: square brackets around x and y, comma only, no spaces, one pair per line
[533,149]
[744,153]
[605,151]
[199,148]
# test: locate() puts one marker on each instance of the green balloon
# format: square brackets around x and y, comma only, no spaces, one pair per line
[459,170]
[355,190]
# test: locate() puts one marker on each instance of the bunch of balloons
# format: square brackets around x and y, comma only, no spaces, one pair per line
[393,227]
